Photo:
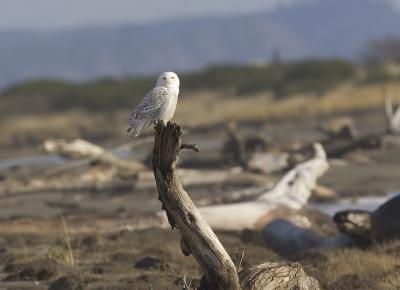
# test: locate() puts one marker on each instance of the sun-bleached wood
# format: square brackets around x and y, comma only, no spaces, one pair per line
[292,191]
[276,276]
[82,149]
[392,116]
[199,240]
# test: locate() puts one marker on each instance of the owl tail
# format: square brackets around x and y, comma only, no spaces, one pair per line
[137,125]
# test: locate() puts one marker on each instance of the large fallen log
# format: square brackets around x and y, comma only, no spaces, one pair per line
[288,239]
[199,240]
[292,191]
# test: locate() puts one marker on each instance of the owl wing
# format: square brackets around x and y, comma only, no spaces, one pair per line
[147,109]
[151,102]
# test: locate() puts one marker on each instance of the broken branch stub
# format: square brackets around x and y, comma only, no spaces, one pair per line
[199,239]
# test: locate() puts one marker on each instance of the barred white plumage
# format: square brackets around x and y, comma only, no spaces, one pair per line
[158,105]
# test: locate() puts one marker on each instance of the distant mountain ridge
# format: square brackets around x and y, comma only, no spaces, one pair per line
[323,28]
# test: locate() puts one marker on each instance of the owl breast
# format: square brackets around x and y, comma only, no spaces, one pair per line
[167,111]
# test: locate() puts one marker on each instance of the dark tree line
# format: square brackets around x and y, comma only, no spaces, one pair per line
[384,49]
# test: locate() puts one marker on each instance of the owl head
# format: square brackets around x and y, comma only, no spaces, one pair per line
[168,79]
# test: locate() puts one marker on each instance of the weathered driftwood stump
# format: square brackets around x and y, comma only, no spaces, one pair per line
[274,276]
[198,238]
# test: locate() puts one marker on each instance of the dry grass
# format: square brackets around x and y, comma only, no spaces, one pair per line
[32,130]
[69,255]
[200,108]
[377,268]
[370,268]
[218,108]
[349,269]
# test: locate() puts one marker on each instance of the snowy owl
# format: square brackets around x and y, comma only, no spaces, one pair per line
[158,105]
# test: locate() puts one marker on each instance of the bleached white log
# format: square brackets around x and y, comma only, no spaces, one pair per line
[392,116]
[268,162]
[75,149]
[82,149]
[292,191]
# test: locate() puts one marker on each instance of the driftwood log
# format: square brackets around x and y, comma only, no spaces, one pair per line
[199,240]
[392,116]
[292,192]
[87,168]
[366,228]
[89,152]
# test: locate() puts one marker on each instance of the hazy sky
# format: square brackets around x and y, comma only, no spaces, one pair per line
[52,14]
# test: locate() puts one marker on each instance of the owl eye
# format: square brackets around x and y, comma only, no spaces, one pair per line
[172,77]
[164,78]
